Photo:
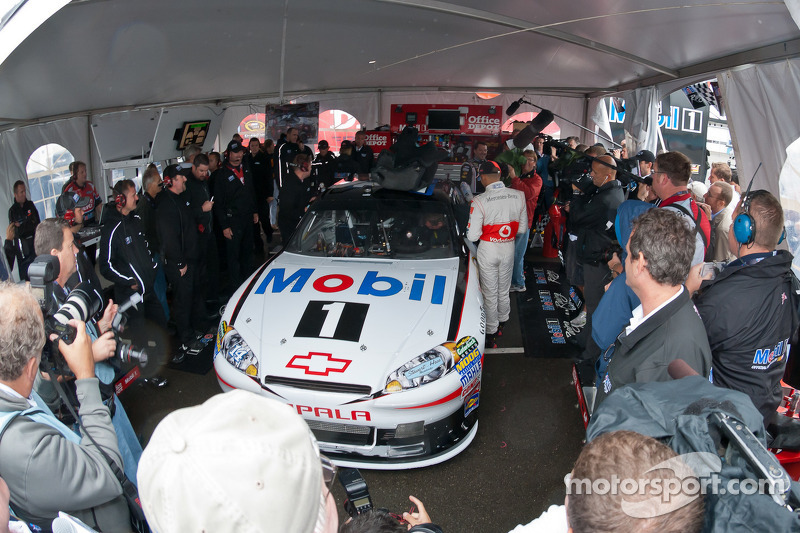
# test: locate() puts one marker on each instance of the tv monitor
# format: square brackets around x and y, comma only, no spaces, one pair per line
[193,133]
[444,119]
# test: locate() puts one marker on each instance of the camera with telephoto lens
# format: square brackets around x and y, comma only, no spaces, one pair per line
[125,351]
[82,304]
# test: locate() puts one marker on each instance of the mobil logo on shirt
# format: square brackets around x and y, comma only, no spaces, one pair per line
[372,283]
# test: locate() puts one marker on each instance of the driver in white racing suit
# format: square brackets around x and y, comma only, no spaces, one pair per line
[496,217]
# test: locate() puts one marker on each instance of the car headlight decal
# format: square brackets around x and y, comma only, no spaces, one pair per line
[435,363]
[236,351]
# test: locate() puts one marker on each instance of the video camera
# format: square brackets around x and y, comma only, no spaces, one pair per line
[82,304]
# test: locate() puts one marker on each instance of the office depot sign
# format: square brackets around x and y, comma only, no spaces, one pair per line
[475,119]
[379,140]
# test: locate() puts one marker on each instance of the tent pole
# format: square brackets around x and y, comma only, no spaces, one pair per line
[283,44]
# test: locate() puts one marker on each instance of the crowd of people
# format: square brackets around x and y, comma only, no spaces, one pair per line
[665,278]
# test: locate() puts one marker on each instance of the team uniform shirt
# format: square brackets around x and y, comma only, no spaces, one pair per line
[87,191]
[496,217]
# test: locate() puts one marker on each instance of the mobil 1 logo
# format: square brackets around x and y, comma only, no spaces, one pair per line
[332,320]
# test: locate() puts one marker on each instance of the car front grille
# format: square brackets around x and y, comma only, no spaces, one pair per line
[321,386]
[348,434]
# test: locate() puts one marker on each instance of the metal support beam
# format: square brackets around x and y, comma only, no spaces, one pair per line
[764,54]
[519,24]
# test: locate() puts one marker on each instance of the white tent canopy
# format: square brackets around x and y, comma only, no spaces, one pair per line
[105,77]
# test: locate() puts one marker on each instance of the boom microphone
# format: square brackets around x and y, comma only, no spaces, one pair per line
[514,106]
[534,128]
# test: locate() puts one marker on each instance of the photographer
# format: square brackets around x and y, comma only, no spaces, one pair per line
[47,467]
[592,216]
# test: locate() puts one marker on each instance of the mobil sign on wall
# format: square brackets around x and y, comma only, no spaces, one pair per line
[448,118]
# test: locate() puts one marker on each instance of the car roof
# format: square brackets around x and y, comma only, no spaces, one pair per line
[355,190]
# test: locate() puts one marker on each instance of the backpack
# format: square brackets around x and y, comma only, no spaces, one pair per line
[691,415]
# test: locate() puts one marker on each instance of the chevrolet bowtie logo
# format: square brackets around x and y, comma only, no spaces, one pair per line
[318,364]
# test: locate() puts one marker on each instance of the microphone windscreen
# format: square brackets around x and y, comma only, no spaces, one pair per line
[534,128]
[513,108]
[679,369]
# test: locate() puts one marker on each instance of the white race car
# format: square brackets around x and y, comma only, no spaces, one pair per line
[370,324]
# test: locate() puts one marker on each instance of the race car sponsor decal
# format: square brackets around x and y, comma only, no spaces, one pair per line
[563,302]
[483,321]
[556,333]
[222,330]
[547,301]
[766,357]
[552,277]
[332,320]
[471,403]
[570,330]
[424,368]
[468,360]
[373,284]
[318,364]
[334,414]
[573,294]
[541,279]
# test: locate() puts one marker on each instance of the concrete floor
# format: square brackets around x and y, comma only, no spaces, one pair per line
[529,436]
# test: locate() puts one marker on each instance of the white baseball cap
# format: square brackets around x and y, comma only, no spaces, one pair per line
[237,463]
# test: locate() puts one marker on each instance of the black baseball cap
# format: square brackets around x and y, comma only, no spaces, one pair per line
[645,155]
[323,144]
[489,167]
[69,201]
[235,146]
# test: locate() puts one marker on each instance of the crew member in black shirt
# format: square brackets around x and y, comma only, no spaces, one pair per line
[179,237]
[24,217]
[297,192]
[235,212]
[322,167]
[261,166]
[362,153]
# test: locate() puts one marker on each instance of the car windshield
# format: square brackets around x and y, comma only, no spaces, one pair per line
[377,229]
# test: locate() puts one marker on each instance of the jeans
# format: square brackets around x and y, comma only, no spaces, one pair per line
[520,246]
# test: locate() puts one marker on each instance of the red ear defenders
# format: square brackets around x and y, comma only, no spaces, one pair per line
[166,182]
[120,199]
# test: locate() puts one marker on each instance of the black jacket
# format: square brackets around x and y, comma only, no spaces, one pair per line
[673,332]
[28,217]
[590,217]
[177,229]
[145,208]
[322,169]
[261,168]
[285,153]
[234,202]
[364,157]
[125,257]
[295,196]
[750,313]
[344,168]
[198,195]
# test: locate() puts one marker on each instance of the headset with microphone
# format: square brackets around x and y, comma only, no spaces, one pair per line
[744,227]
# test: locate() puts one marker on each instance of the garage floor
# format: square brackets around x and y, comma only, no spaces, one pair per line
[529,436]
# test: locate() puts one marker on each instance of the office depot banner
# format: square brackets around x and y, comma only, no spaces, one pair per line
[448,119]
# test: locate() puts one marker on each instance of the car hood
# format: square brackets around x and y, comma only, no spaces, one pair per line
[346,320]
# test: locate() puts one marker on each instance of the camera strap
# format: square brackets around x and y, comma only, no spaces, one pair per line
[129,490]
